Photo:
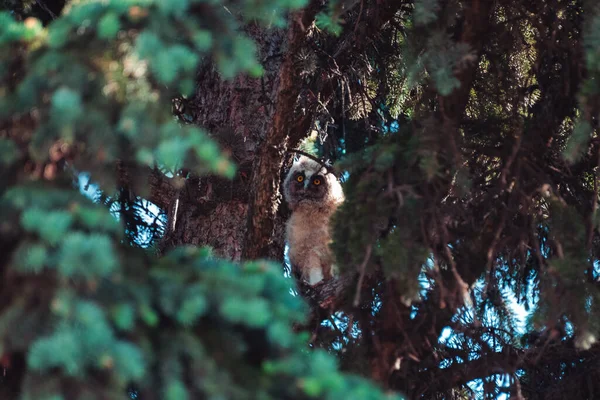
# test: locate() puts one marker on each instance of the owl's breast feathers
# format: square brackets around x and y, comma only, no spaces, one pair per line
[308,235]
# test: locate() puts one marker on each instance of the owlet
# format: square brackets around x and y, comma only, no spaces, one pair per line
[313,195]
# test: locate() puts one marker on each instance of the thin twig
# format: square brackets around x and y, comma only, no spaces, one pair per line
[45,8]
[363,267]
[329,168]
[339,332]
[519,393]
[492,249]
[359,15]
[590,237]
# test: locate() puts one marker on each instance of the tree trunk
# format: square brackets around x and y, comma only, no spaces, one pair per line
[251,119]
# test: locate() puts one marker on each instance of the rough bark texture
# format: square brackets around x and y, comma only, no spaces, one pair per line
[213,211]
[254,120]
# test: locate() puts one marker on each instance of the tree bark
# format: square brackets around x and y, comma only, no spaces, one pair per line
[211,211]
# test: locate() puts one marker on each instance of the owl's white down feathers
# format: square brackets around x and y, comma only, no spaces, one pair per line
[308,231]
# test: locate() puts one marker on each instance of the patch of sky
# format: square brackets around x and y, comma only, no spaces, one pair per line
[503,382]
[596,270]
[466,315]
[86,187]
[342,147]
[149,213]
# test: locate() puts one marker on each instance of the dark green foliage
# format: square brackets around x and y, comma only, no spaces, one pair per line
[87,311]
[472,186]
[466,135]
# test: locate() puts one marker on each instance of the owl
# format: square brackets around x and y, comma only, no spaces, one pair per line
[313,194]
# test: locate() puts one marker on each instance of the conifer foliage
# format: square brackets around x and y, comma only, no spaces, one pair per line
[83,313]
[466,134]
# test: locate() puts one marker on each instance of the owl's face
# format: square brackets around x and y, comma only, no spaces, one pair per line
[308,182]
[307,186]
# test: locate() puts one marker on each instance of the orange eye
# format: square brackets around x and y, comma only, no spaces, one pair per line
[300,178]
[316,182]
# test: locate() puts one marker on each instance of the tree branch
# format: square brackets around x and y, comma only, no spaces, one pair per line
[459,374]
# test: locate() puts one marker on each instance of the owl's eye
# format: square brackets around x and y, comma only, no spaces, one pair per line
[316,181]
[300,178]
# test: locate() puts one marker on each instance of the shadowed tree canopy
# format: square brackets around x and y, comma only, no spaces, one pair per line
[143,146]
